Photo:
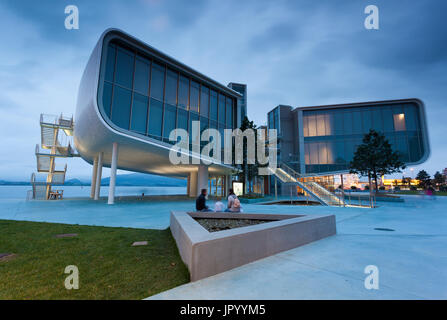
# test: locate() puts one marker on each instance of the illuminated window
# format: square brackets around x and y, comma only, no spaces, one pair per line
[399,122]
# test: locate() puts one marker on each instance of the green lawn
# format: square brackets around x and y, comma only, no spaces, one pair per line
[437,193]
[109,268]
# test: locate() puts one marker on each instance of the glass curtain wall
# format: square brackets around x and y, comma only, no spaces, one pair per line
[148,97]
[331,136]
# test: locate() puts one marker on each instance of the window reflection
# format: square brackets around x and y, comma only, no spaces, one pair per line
[331,136]
[399,122]
[145,96]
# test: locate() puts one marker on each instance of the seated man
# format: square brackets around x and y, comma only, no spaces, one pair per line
[201,202]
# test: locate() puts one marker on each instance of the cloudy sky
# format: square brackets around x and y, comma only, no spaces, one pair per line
[298,52]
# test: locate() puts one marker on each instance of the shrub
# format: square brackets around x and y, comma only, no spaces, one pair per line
[382,188]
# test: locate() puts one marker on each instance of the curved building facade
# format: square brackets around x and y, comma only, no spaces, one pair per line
[130,98]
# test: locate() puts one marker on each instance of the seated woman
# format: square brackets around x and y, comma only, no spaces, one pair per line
[234,205]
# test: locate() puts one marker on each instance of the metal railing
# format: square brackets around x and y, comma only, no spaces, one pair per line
[288,175]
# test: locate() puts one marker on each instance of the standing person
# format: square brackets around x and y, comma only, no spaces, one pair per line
[234,205]
[201,202]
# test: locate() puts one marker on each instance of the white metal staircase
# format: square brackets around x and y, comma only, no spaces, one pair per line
[321,194]
[54,145]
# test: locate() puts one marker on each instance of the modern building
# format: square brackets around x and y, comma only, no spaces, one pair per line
[319,142]
[130,98]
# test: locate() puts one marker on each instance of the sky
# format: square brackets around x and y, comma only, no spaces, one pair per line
[297,52]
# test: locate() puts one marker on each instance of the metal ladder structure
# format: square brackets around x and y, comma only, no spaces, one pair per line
[56,142]
[287,175]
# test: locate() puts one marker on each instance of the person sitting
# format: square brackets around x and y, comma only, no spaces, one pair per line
[219,206]
[201,202]
[234,205]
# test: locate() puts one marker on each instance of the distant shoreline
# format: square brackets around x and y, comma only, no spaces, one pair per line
[88,185]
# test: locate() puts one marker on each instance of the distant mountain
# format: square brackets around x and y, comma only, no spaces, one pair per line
[132,179]
[13,183]
[140,179]
[76,182]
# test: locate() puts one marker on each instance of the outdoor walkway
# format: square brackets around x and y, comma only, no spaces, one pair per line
[412,260]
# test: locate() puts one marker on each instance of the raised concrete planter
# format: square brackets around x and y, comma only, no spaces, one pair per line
[209,253]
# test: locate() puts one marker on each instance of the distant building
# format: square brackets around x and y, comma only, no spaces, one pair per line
[320,141]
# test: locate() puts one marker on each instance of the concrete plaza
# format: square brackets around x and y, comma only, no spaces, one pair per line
[412,260]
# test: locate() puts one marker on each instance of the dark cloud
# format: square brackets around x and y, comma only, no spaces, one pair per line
[296,52]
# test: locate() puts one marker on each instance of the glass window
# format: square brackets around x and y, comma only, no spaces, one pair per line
[387,116]
[110,63]
[169,120]
[124,67]
[213,105]
[171,87]
[213,124]
[139,113]
[204,101]
[322,153]
[367,120]
[321,129]
[347,122]
[107,98]
[357,122]
[329,123]
[377,123]
[157,81]
[142,74]
[203,124]
[414,146]
[276,111]
[312,125]
[313,153]
[192,117]
[272,122]
[221,108]
[339,152]
[194,96]
[305,126]
[229,114]
[306,153]
[338,123]
[411,117]
[155,118]
[183,92]
[399,122]
[402,148]
[182,119]
[121,107]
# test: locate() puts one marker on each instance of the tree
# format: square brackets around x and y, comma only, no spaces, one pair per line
[406,181]
[424,179]
[248,171]
[438,179]
[375,158]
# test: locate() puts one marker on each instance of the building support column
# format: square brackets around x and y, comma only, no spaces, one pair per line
[113,167]
[202,178]
[98,177]
[227,184]
[276,188]
[94,173]
[192,184]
